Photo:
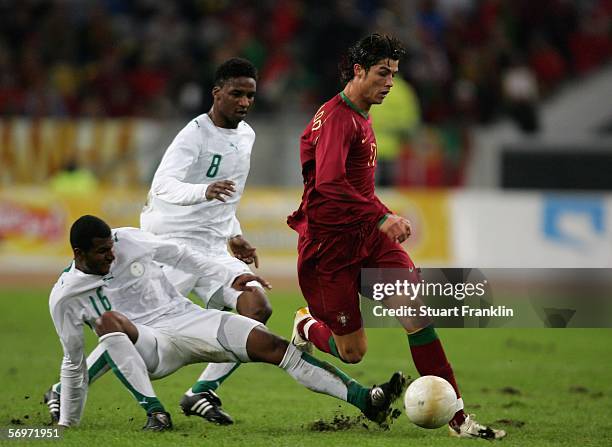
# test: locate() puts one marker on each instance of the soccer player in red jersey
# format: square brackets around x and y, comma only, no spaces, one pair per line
[343,227]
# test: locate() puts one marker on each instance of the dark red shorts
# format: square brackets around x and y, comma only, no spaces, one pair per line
[329,271]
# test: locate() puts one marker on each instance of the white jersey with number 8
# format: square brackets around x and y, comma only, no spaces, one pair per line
[201,154]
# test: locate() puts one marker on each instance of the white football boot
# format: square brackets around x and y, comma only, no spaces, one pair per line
[296,339]
[473,429]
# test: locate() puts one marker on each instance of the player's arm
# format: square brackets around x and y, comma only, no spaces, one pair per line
[204,266]
[183,258]
[169,181]
[333,144]
[191,261]
[73,375]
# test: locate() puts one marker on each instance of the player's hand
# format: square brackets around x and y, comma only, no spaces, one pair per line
[244,251]
[397,228]
[240,283]
[218,190]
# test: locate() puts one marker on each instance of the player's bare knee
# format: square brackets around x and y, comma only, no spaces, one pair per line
[109,322]
[352,347]
[351,355]
[354,352]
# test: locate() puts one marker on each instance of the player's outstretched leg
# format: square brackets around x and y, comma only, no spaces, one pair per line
[129,368]
[322,377]
[201,399]
[117,338]
[157,418]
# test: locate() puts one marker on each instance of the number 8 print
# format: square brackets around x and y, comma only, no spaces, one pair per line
[214,166]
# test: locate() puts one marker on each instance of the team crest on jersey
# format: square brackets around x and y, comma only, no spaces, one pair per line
[137,269]
[342,318]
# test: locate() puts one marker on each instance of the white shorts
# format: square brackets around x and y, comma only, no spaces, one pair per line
[212,296]
[201,335]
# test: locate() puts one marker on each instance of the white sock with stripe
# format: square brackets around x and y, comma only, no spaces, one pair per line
[322,377]
[130,368]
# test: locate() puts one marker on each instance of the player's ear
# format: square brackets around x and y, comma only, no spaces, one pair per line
[358,70]
[216,89]
[77,252]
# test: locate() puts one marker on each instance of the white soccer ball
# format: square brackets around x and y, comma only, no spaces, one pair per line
[430,402]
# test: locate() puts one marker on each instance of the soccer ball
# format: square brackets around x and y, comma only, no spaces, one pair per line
[430,402]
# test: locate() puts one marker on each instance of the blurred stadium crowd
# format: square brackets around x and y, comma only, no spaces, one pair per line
[155,58]
[469,63]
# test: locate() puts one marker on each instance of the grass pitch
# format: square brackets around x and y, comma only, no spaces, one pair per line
[546,387]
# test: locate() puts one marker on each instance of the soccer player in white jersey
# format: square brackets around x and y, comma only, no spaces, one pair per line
[148,330]
[192,201]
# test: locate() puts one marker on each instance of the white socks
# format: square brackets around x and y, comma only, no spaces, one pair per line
[312,374]
[130,368]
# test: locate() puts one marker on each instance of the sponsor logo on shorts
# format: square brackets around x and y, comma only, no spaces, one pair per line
[342,319]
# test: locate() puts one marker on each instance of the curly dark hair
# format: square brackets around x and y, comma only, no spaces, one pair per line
[368,51]
[235,67]
[85,228]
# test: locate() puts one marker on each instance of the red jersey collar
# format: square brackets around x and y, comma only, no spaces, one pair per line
[352,105]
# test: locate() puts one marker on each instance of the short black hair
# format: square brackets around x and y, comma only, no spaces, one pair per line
[85,228]
[368,51]
[235,67]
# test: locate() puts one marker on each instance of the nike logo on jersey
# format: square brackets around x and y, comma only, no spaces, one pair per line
[197,124]
[363,141]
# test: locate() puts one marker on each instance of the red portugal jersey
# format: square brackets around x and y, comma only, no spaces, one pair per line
[338,156]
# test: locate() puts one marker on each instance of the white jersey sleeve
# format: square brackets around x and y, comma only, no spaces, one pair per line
[182,257]
[73,375]
[170,182]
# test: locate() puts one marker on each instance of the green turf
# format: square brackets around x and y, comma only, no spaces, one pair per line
[556,382]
